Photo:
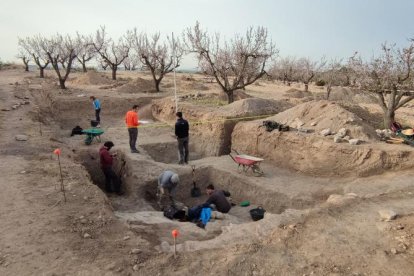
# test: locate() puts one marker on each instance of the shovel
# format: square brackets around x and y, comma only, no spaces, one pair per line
[195,191]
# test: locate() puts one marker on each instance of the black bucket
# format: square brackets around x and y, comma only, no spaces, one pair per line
[257,213]
[94,123]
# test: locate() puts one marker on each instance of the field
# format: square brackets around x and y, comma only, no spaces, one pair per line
[323,199]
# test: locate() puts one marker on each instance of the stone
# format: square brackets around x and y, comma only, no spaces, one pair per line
[84,221]
[86,236]
[15,106]
[5,109]
[337,139]
[136,251]
[26,102]
[313,123]
[326,132]
[21,137]
[355,141]
[135,267]
[347,138]
[126,238]
[304,130]
[394,251]
[336,199]
[342,132]
[387,215]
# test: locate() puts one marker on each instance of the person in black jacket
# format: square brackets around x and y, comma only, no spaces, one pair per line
[181,132]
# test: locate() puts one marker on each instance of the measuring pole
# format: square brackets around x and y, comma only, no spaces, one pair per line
[175,65]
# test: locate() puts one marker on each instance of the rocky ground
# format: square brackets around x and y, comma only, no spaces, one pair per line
[333,223]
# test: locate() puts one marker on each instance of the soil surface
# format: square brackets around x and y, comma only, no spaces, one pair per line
[322,217]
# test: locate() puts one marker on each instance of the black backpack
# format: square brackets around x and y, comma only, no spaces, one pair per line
[172,212]
[77,130]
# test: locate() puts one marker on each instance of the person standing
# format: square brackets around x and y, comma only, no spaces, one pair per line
[167,181]
[131,120]
[97,106]
[181,132]
[112,181]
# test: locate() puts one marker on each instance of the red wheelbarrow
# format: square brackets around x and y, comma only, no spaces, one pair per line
[246,162]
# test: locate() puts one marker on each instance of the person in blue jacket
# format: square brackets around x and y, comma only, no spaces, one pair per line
[97,106]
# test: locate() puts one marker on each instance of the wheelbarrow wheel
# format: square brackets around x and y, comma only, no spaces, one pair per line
[88,140]
[257,171]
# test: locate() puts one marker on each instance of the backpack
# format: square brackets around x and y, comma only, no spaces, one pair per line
[172,212]
[77,130]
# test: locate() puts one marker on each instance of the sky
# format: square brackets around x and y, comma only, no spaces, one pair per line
[301,28]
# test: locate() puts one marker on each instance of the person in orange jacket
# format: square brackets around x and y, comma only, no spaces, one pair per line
[131,120]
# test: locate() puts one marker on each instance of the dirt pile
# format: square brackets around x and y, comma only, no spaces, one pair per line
[138,85]
[296,93]
[210,126]
[315,154]
[92,78]
[320,115]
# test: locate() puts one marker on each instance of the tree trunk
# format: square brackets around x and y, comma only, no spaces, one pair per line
[306,87]
[114,72]
[328,91]
[62,84]
[26,67]
[389,118]
[230,96]
[157,85]
[42,74]
[84,67]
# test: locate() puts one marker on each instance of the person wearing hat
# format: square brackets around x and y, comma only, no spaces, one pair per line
[181,132]
[112,181]
[167,181]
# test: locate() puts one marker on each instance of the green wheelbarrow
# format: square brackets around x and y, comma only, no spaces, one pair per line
[91,134]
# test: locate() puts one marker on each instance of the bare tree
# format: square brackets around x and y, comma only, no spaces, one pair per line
[307,70]
[158,56]
[235,63]
[332,75]
[60,51]
[25,57]
[131,62]
[32,46]
[86,50]
[389,77]
[285,69]
[112,53]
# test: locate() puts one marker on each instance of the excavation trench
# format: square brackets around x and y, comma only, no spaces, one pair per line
[139,209]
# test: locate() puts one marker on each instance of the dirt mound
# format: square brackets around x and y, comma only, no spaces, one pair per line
[252,107]
[238,95]
[92,78]
[315,154]
[319,115]
[193,86]
[138,85]
[296,93]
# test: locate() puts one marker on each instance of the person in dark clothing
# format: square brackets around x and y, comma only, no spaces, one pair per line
[181,132]
[217,200]
[112,181]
